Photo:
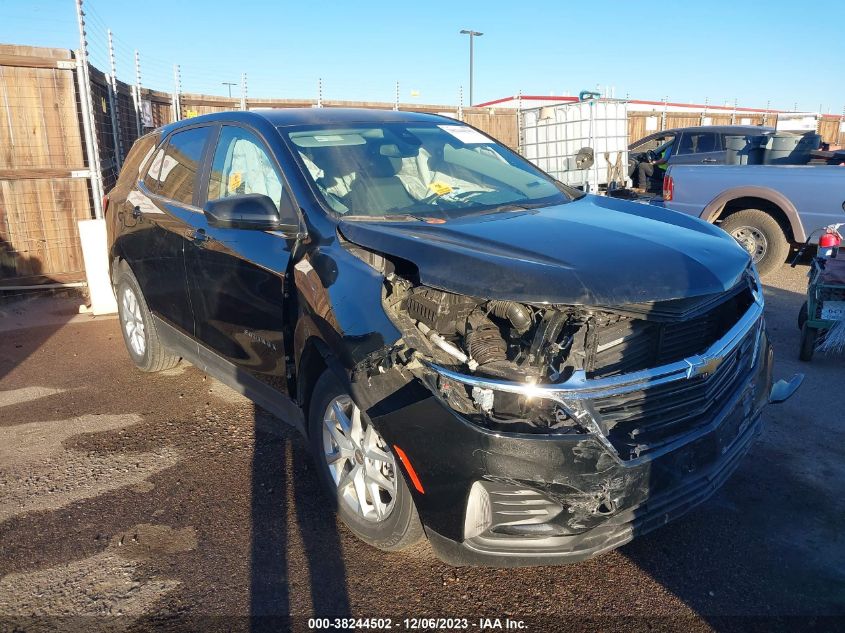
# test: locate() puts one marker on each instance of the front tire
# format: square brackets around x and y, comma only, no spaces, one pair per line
[137,325]
[358,470]
[761,235]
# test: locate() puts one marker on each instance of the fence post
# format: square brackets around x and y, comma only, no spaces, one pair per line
[319,92]
[841,128]
[460,103]
[137,94]
[733,113]
[396,98]
[520,141]
[663,116]
[704,112]
[177,91]
[92,149]
[113,106]
[243,91]
[766,113]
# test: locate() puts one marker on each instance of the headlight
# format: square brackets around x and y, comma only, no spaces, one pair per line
[504,407]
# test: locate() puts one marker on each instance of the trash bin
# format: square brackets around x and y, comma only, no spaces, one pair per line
[735,153]
[791,149]
[744,150]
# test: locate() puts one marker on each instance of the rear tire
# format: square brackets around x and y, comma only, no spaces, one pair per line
[137,325]
[761,235]
[389,523]
[809,338]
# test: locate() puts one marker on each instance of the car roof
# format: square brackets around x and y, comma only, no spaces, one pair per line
[718,129]
[283,117]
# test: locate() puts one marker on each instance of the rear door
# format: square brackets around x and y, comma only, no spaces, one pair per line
[236,277]
[156,214]
[697,148]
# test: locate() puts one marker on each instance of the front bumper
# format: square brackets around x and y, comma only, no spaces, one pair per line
[506,499]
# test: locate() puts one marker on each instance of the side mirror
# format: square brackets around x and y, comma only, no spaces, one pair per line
[253,211]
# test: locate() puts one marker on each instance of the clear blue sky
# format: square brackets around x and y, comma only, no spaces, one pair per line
[786,52]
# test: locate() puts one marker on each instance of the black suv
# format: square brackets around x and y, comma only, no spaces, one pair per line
[476,353]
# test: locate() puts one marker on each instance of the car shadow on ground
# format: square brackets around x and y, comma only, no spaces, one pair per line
[281,453]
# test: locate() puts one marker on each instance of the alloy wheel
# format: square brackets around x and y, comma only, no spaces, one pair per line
[133,323]
[361,465]
[752,240]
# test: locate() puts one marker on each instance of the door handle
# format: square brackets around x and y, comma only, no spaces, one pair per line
[708,160]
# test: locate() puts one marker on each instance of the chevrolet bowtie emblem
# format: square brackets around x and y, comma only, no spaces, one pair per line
[706,367]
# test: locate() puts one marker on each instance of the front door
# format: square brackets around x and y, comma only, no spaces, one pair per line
[236,277]
[698,148]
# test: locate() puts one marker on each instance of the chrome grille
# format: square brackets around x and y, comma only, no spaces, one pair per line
[637,422]
[633,344]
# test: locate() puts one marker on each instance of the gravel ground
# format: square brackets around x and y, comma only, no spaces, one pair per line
[167,502]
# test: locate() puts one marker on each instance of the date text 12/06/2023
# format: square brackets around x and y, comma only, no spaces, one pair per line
[412,624]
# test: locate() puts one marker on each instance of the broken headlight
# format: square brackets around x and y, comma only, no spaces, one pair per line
[519,409]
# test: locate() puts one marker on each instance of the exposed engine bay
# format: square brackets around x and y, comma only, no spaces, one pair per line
[546,344]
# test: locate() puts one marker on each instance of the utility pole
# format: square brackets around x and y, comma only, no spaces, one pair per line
[472,34]
[229,85]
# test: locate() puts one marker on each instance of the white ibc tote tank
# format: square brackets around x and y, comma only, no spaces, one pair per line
[553,135]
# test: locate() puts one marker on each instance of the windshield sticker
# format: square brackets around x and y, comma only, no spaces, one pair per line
[234,181]
[465,134]
[334,138]
[440,188]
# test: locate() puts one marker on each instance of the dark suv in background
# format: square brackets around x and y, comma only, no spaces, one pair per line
[475,352]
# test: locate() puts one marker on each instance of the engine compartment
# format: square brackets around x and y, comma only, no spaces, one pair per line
[545,344]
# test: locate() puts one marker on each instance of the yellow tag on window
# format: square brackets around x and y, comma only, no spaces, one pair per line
[234,181]
[440,188]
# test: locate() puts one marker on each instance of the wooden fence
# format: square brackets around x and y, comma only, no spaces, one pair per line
[43,189]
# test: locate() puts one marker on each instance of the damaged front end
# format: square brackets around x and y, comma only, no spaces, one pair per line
[549,432]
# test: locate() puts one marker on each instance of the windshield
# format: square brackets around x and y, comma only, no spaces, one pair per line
[405,170]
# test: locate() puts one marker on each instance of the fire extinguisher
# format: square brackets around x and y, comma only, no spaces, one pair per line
[829,242]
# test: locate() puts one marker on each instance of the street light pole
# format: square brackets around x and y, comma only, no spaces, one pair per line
[471,34]
[229,85]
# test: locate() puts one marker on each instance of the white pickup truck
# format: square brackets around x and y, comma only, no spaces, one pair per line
[767,208]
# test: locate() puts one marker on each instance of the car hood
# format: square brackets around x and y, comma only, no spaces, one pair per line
[591,251]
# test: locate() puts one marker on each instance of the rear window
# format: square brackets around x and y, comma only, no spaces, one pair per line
[175,177]
[137,158]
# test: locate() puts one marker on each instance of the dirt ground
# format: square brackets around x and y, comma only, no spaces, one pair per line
[166,501]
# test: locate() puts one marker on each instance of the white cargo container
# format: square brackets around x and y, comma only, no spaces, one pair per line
[553,135]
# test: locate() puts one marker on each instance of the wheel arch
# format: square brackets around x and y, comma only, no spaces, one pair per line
[313,358]
[772,202]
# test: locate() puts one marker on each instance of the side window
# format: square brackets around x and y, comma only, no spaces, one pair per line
[180,163]
[698,143]
[242,165]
